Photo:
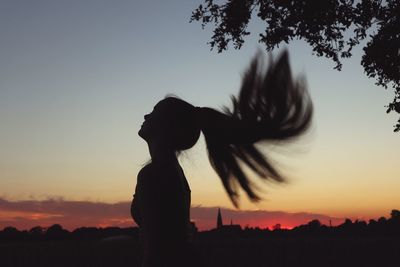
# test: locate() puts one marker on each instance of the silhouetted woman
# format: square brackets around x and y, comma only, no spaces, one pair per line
[271,106]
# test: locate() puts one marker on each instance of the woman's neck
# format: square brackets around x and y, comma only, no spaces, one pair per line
[160,152]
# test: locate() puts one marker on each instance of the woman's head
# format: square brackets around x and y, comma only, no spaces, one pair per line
[271,106]
[172,122]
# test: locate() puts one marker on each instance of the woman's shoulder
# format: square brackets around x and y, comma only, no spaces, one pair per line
[145,170]
[146,179]
[154,170]
[146,173]
[156,177]
[159,171]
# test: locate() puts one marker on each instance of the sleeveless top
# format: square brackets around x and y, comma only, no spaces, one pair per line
[161,203]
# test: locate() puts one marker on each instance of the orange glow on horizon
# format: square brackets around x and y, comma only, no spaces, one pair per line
[26,214]
[34,216]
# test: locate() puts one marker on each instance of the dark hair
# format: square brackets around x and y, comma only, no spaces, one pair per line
[270,106]
[182,119]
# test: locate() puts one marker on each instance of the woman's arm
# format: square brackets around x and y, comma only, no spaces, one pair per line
[135,212]
[137,202]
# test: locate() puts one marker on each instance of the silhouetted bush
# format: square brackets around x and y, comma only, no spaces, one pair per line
[382,227]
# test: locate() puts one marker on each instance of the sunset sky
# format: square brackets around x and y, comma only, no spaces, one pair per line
[77,77]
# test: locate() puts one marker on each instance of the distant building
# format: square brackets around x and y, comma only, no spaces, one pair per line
[226,228]
[219,219]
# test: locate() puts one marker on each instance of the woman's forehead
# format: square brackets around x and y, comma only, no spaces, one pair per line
[161,105]
[167,103]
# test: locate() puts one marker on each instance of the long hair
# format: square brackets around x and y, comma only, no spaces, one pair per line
[271,106]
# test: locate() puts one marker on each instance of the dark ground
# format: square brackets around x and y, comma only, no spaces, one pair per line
[289,251]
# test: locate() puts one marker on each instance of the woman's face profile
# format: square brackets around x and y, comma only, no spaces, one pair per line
[171,123]
[155,123]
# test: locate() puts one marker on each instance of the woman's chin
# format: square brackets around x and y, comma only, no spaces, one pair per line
[142,134]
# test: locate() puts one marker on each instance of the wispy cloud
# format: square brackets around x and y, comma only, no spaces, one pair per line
[25,214]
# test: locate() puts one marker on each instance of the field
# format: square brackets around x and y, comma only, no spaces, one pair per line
[280,252]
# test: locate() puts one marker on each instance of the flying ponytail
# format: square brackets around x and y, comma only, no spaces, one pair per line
[271,106]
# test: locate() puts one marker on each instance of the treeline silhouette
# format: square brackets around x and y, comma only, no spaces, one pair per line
[383,227]
[57,233]
[352,243]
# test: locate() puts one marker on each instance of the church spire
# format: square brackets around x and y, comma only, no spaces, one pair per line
[219,219]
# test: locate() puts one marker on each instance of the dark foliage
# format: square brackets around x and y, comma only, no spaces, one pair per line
[383,227]
[350,244]
[57,233]
[331,27]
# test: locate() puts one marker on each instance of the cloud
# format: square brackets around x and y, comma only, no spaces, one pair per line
[25,214]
